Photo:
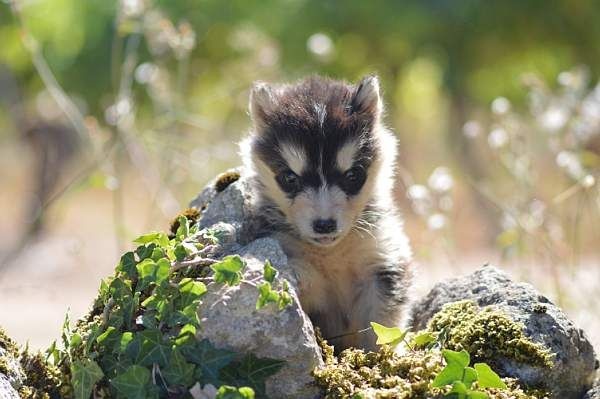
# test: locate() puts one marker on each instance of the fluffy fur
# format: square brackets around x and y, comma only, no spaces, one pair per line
[322,165]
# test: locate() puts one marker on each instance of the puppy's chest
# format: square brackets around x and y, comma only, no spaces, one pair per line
[333,277]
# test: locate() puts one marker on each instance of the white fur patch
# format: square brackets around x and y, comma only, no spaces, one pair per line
[345,156]
[294,157]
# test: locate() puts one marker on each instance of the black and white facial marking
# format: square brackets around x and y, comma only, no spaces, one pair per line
[314,147]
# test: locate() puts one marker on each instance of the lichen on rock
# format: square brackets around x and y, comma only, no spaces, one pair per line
[389,374]
[487,334]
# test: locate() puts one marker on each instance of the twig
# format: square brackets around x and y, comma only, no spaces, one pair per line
[193,263]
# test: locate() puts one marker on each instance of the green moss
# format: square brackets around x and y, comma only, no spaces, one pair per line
[42,380]
[487,334]
[386,374]
[225,179]
[8,344]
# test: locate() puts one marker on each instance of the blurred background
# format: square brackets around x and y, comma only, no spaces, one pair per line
[114,114]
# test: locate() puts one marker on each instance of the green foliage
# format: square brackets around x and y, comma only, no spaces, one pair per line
[424,368]
[487,334]
[388,335]
[229,392]
[139,340]
[84,375]
[462,377]
[229,270]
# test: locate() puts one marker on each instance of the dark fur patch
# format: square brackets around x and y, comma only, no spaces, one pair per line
[319,116]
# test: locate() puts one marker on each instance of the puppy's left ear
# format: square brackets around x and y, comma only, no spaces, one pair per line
[263,101]
[366,99]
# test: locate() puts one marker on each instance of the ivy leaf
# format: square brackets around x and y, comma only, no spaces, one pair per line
[424,338]
[251,371]
[149,347]
[179,371]
[477,395]
[487,377]
[145,251]
[184,228]
[459,388]
[209,359]
[126,338]
[388,335]
[461,358]
[133,382]
[108,338]
[456,362]
[266,295]
[229,392]
[229,270]
[469,376]
[84,375]
[156,237]
[190,291]
[285,299]
[269,272]
[127,265]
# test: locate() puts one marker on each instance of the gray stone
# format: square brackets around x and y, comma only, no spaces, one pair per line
[15,375]
[575,362]
[593,393]
[233,322]
[6,389]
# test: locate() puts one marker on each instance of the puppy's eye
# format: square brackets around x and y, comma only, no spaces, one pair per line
[289,181]
[354,178]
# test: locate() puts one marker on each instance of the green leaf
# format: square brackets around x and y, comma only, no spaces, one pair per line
[132,383]
[156,237]
[459,388]
[84,375]
[229,270]
[180,252]
[179,371]
[190,292]
[108,338]
[469,376]
[450,373]
[487,377]
[461,358]
[210,359]
[477,395]
[424,338]
[184,228]
[186,335]
[266,295]
[388,335]
[150,348]
[126,338]
[269,272]
[285,299]
[229,392]
[251,371]
[127,265]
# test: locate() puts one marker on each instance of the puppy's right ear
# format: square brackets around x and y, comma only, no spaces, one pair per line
[263,100]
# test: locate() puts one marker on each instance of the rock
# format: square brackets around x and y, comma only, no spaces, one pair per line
[575,362]
[6,390]
[593,393]
[14,374]
[235,323]
[269,333]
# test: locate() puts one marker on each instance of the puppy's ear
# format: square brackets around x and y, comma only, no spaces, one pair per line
[366,99]
[263,100]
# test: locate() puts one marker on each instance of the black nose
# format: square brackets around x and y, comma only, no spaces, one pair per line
[324,226]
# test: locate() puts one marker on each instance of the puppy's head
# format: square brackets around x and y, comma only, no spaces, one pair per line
[319,150]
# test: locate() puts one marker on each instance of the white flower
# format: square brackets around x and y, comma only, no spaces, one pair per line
[441,180]
[500,106]
[436,221]
[554,118]
[498,138]
[472,129]
[320,45]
